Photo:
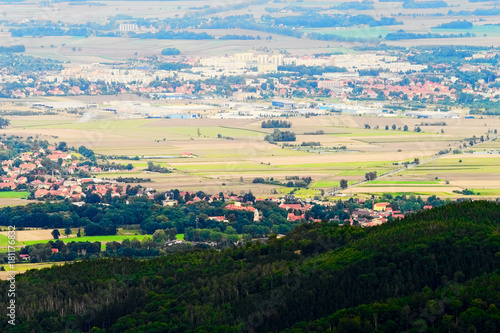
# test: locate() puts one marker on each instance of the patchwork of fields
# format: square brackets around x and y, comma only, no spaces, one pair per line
[227,154]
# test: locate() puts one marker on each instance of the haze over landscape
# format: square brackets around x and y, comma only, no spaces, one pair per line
[260,166]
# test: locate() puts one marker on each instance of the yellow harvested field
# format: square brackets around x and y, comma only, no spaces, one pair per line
[31,235]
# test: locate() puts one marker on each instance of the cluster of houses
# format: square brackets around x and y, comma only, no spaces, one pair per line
[380,213]
[27,172]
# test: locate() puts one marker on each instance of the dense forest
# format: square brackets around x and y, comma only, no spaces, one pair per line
[434,271]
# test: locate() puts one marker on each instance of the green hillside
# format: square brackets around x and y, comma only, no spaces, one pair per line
[435,271]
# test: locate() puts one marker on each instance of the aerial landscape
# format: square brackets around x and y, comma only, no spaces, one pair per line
[249,166]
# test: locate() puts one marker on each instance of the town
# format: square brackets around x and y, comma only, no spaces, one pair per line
[245,84]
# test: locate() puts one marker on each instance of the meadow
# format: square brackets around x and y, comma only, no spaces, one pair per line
[13,195]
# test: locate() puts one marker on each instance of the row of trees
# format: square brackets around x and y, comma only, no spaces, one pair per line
[276,124]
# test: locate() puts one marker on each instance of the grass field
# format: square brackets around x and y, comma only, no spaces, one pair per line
[4,242]
[13,195]
[487,192]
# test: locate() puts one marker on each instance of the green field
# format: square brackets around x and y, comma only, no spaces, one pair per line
[467,165]
[327,184]
[13,195]
[4,242]
[487,191]
[302,193]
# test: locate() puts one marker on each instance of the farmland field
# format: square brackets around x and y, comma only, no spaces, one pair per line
[230,165]
[4,241]
[13,195]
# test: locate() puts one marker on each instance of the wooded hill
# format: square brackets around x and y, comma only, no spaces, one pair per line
[434,271]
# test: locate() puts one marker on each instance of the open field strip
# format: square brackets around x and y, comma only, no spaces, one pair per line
[390,139]
[302,193]
[327,184]
[360,132]
[487,191]
[401,185]
[23,267]
[443,190]
[462,164]
[34,234]
[102,239]
[4,241]
[13,195]
[414,182]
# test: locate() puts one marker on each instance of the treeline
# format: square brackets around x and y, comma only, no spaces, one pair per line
[356,5]
[239,37]
[401,34]
[170,51]
[279,136]
[133,180]
[276,124]
[311,143]
[321,21]
[432,271]
[319,132]
[456,25]
[12,49]
[157,168]
[290,181]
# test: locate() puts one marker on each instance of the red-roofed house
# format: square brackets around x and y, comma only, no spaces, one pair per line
[292,217]
[10,185]
[238,206]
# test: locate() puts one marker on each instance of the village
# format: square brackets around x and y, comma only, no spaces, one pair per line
[28,172]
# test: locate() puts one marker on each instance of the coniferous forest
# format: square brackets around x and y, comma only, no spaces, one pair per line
[435,271]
